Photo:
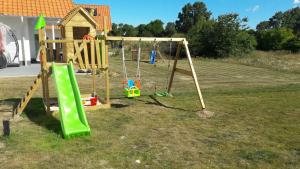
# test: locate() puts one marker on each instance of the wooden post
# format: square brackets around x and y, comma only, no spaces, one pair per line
[185,43]
[86,54]
[103,53]
[51,57]
[57,52]
[44,70]
[78,53]
[98,53]
[94,81]
[92,45]
[107,85]
[105,61]
[174,67]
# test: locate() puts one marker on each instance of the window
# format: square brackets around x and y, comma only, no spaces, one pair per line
[90,9]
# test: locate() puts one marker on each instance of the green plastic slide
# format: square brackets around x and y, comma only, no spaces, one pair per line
[72,115]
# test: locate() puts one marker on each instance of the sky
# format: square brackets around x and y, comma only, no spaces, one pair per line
[137,12]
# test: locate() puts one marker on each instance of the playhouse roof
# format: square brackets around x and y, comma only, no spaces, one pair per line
[73,12]
[51,9]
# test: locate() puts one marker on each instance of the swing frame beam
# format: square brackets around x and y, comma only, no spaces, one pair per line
[182,42]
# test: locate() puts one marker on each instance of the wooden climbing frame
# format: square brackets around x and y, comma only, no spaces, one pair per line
[92,54]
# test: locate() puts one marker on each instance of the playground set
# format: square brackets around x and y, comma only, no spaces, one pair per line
[83,48]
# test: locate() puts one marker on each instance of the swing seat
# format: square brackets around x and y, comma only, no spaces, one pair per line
[132,90]
[161,94]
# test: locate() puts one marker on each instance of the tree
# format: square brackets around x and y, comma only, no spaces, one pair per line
[142,31]
[293,45]
[288,19]
[226,36]
[264,25]
[199,37]
[128,30]
[292,20]
[274,39]
[115,31]
[230,37]
[189,16]
[277,20]
[123,30]
[156,27]
[170,29]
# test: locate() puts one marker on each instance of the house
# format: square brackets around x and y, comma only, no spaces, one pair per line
[21,16]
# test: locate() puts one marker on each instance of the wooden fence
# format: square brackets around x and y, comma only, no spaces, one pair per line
[88,54]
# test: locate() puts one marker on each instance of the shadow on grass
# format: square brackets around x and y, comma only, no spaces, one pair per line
[158,103]
[118,106]
[36,113]
[8,105]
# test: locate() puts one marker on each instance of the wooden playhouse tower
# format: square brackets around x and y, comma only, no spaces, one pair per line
[77,24]
[78,30]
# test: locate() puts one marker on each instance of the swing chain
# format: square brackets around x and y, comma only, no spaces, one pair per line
[169,65]
[123,61]
[138,71]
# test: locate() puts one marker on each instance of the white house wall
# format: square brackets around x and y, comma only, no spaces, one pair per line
[32,32]
[20,27]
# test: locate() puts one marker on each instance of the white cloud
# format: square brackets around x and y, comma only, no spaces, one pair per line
[256,8]
[296,2]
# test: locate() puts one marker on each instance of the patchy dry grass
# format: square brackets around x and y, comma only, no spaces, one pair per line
[282,61]
[256,123]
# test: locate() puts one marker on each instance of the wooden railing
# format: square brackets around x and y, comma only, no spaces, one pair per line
[88,54]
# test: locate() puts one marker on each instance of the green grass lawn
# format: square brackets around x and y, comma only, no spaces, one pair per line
[256,122]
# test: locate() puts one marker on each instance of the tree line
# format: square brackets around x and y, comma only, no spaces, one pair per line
[226,35]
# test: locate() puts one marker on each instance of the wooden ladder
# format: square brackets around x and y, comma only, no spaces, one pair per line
[21,106]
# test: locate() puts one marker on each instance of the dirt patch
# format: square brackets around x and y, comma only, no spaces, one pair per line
[2,145]
[114,74]
[6,109]
[205,114]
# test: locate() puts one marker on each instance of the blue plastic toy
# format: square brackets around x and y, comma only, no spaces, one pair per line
[152,57]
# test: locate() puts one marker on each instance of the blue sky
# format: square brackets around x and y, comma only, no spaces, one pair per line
[136,12]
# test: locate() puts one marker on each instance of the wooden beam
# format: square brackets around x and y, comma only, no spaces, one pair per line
[57,52]
[86,55]
[94,81]
[107,86]
[78,54]
[160,55]
[51,57]
[44,70]
[59,41]
[98,54]
[106,56]
[105,26]
[92,47]
[144,39]
[22,105]
[182,71]
[103,54]
[174,67]
[194,73]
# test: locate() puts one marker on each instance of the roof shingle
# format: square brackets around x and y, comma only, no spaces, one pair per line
[50,9]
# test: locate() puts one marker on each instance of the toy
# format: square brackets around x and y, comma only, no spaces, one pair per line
[132,88]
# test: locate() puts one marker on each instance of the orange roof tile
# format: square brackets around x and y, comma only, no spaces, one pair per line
[50,9]
[101,12]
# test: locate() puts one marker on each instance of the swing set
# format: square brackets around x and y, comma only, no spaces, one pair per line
[132,88]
